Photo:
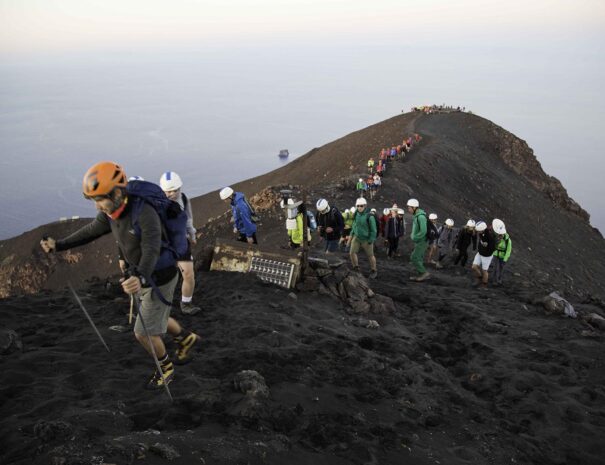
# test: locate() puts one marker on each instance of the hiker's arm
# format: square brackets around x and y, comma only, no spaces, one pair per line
[88,233]
[373,230]
[190,228]
[340,222]
[151,240]
[509,249]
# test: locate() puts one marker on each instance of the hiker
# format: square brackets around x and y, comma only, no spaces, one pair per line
[504,247]
[171,184]
[294,223]
[330,224]
[377,182]
[363,235]
[244,218]
[432,235]
[371,165]
[486,245]
[393,230]
[370,186]
[465,237]
[380,168]
[419,237]
[445,241]
[360,187]
[151,263]
[347,217]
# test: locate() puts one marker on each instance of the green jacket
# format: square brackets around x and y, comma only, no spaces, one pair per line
[296,235]
[364,226]
[347,216]
[504,248]
[419,225]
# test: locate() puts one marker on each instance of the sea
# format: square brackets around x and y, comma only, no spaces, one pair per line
[219,114]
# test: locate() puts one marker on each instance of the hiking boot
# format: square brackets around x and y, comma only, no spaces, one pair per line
[423,277]
[355,268]
[183,353]
[439,266]
[187,308]
[156,381]
[373,274]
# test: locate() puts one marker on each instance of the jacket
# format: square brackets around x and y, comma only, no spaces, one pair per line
[504,247]
[393,228]
[242,215]
[419,225]
[465,237]
[296,235]
[333,219]
[141,253]
[364,226]
[446,238]
[347,216]
[486,243]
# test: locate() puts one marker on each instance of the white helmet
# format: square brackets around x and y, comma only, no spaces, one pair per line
[400,211]
[373,210]
[433,216]
[361,202]
[449,222]
[170,181]
[352,210]
[136,178]
[470,224]
[498,226]
[322,204]
[225,193]
[360,180]
[480,226]
[413,203]
[386,211]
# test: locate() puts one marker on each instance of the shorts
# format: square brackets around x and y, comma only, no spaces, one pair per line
[368,247]
[483,261]
[154,311]
[187,256]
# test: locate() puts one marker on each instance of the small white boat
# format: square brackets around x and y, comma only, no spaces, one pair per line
[283,153]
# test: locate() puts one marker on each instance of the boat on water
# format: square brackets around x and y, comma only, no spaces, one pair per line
[283,153]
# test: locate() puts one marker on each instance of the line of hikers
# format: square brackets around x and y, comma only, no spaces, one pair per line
[438,244]
[430,109]
[376,170]
[153,228]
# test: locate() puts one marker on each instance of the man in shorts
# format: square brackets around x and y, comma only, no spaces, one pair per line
[486,247]
[148,263]
[363,235]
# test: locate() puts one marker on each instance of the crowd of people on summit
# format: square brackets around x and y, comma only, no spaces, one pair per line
[443,108]
[153,228]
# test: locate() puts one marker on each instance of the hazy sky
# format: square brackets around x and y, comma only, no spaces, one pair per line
[185,82]
[44,25]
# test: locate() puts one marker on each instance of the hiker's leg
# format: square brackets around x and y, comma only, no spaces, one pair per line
[188,280]
[417,258]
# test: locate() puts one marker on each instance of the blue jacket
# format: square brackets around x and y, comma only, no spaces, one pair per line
[241,215]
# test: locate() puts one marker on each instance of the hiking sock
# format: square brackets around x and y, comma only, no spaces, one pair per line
[186,300]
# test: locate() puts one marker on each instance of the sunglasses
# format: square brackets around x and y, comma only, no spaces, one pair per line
[96,198]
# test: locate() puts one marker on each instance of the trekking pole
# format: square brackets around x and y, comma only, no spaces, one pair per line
[131,308]
[155,357]
[87,315]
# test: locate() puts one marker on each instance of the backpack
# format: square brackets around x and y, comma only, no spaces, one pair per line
[253,216]
[174,220]
[432,233]
[311,221]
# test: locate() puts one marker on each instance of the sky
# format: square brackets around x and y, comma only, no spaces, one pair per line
[148,80]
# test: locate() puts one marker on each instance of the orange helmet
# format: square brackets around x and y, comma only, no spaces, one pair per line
[102,178]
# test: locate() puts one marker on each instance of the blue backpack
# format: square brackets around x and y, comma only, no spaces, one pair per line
[173,218]
[311,221]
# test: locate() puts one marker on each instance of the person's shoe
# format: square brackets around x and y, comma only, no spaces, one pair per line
[183,353]
[439,266]
[187,308]
[373,274]
[433,262]
[424,276]
[355,268]
[157,381]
